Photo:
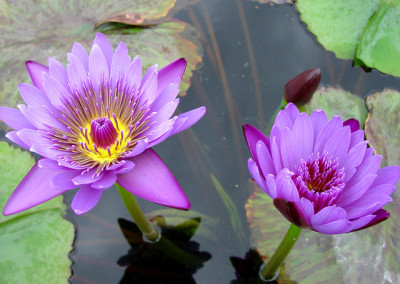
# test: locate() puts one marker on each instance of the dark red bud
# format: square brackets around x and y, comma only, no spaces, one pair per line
[300,89]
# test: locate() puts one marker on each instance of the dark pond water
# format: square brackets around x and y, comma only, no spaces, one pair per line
[260,48]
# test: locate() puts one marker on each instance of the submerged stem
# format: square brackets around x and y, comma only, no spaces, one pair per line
[269,270]
[149,232]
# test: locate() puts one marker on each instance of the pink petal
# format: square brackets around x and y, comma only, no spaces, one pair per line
[35,72]
[85,199]
[152,180]
[33,190]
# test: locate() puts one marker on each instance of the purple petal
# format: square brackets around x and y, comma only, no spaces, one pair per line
[50,164]
[338,144]
[59,72]
[188,119]
[33,96]
[292,211]
[255,174]
[42,119]
[318,120]
[45,151]
[326,133]
[264,159]
[127,167]
[35,71]
[336,227]
[252,136]
[365,206]
[105,47]
[285,188]
[387,175]
[169,94]
[292,111]
[80,52]
[356,137]
[134,76]
[327,215]
[33,190]
[152,180]
[170,73]
[13,136]
[107,181]
[369,165]
[355,155]
[283,120]
[31,137]
[353,123]
[380,216]
[303,135]
[290,155]
[270,186]
[98,69]
[139,148]
[56,92]
[63,180]
[85,199]
[165,112]
[87,177]
[14,118]
[148,87]
[77,74]
[353,193]
[362,222]
[120,61]
[276,156]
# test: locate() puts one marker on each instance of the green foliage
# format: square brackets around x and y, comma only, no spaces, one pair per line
[49,29]
[366,31]
[35,243]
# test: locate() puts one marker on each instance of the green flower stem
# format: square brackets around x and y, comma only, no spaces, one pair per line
[149,232]
[153,235]
[269,269]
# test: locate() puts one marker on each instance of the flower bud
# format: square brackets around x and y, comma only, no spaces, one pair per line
[300,89]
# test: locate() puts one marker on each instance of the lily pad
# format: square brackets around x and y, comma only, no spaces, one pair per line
[34,244]
[366,31]
[312,259]
[49,29]
[336,101]
[373,255]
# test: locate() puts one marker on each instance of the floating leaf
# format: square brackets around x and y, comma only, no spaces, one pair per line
[373,255]
[336,101]
[34,244]
[312,259]
[47,28]
[364,30]
[175,217]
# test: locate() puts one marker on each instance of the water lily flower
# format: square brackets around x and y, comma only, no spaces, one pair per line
[95,123]
[320,173]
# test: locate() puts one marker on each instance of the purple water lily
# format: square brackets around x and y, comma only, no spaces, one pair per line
[320,173]
[94,123]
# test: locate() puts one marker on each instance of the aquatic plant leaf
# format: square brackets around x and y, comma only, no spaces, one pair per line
[34,244]
[177,218]
[312,259]
[235,220]
[378,246]
[336,101]
[366,31]
[47,28]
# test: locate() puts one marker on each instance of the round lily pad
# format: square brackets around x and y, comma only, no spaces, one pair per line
[35,243]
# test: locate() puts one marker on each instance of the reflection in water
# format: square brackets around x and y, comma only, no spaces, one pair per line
[159,262]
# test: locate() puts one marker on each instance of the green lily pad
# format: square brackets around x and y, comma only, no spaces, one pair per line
[34,244]
[312,259]
[366,31]
[377,247]
[175,217]
[49,28]
[336,101]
